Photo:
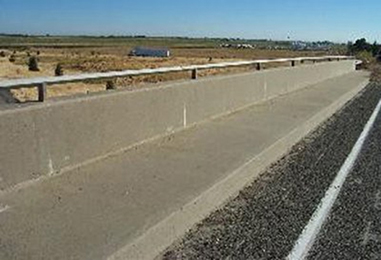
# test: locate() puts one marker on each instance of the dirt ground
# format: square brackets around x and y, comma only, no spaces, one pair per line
[103,59]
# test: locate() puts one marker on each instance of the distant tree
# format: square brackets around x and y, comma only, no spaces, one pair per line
[359,46]
[375,48]
[33,64]
[59,70]
[2,54]
[362,45]
[349,46]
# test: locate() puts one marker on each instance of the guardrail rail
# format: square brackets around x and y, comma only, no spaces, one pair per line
[42,82]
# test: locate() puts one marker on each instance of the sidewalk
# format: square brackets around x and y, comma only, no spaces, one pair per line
[133,205]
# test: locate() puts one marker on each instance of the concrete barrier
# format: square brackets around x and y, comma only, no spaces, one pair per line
[49,138]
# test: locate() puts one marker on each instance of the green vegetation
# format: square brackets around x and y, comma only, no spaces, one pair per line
[361,45]
[367,52]
[370,54]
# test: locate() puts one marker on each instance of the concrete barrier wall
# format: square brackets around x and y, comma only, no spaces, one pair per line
[45,139]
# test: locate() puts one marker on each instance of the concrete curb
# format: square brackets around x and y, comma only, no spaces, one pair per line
[156,239]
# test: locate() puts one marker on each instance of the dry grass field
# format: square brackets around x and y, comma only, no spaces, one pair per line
[98,57]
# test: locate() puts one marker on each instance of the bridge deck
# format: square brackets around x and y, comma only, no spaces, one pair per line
[95,211]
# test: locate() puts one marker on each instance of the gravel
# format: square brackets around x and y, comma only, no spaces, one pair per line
[354,227]
[266,219]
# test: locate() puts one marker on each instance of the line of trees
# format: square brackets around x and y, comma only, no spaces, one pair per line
[361,45]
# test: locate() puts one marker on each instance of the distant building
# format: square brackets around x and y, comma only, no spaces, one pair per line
[150,52]
[237,46]
[312,46]
[299,45]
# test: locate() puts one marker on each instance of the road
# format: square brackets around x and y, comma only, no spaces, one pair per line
[135,204]
[6,97]
[266,220]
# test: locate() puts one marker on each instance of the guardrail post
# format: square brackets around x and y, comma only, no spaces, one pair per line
[110,85]
[194,74]
[259,67]
[41,83]
[42,92]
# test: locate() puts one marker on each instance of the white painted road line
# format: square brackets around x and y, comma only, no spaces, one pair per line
[310,232]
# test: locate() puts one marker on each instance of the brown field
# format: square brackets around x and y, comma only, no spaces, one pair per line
[115,58]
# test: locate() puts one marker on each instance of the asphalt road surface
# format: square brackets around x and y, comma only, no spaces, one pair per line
[6,97]
[267,218]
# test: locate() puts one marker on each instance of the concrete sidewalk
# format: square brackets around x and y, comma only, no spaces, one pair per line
[133,205]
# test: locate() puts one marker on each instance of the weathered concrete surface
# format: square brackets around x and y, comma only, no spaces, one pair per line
[6,97]
[133,205]
[266,219]
[46,139]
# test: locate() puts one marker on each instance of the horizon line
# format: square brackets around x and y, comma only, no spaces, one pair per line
[159,36]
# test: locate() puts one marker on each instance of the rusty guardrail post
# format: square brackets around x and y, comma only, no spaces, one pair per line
[194,74]
[259,67]
[292,63]
[42,93]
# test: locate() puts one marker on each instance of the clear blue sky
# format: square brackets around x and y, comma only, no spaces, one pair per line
[336,20]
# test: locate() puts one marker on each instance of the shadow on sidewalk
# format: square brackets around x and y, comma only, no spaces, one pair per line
[6,97]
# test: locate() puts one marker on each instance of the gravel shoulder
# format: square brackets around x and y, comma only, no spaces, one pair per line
[266,219]
[353,230]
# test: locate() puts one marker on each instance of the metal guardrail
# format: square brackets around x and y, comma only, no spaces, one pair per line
[42,82]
